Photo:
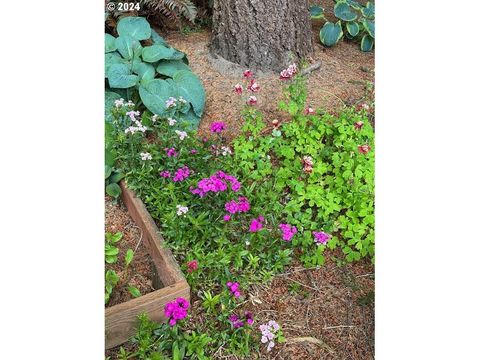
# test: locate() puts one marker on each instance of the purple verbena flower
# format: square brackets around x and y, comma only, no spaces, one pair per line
[288,231]
[321,237]
[217,127]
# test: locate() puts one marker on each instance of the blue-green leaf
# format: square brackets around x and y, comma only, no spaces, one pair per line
[157,39]
[366,43]
[128,47]
[353,28]
[331,33]
[156,52]
[191,88]
[369,10]
[119,76]
[171,67]
[354,4]
[369,27]
[343,11]
[155,93]
[110,43]
[145,71]
[112,58]
[316,12]
[136,27]
[110,98]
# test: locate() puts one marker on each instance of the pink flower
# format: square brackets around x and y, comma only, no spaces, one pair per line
[364,149]
[249,317]
[217,127]
[238,89]
[247,74]
[358,125]
[216,183]
[170,152]
[193,151]
[181,174]
[226,218]
[289,72]
[192,266]
[257,224]
[234,207]
[253,86]
[165,174]
[309,111]
[288,231]
[176,310]
[252,100]
[321,237]
[234,288]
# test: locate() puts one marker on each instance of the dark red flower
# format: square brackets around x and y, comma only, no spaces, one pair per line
[364,149]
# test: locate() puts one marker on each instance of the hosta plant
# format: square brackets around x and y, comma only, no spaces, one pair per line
[140,66]
[354,21]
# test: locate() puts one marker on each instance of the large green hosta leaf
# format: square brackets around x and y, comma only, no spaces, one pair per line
[369,27]
[145,71]
[354,4]
[112,58]
[110,98]
[369,10]
[155,93]
[156,52]
[110,43]
[353,28]
[119,76]
[191,118]
[128,47]
[171,67]
[157,39]
[316,12]
[367,43]
[331,33]
[343,11]
[136,27]
[191,88]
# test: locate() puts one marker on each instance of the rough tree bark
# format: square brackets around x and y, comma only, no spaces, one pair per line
[261,34]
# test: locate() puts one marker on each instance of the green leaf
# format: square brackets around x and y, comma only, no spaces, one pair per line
[116,177]
[156,52]
[128,257]
[369,27]
[110,98]
[134,291]
[191,88]
[136,27]
[331,33]
[155,93]
[171,67]
[119,76]
[113,58]
[145,71]
[114,238]
[353,28]
[110,43]
[366,43]
[157,39]
[369,10]
[128,47]
[343,11]
[113,190]
[108,171]
[354,4]
[316,12]
[109,158]
[111,250]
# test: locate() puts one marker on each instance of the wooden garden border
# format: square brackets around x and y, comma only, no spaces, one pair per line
[121,320]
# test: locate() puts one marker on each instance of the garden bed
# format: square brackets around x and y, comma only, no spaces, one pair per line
[121,319]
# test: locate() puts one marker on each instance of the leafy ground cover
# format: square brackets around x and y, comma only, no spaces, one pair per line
[236,215]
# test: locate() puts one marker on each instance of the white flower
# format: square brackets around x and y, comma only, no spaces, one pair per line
[145,156]
[181,210]
[154,117]
[247,242]
[130,103]
[181,134]
[365,106]
[119,103]
[271,344]
[182,100]
[171,102]
[226,151]
[171,121]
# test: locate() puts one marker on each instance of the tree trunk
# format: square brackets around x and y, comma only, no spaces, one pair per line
[261,34]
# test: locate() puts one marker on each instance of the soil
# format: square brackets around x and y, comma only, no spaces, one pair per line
[141,270]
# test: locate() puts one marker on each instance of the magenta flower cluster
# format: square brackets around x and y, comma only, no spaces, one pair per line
[176,310]
[216,183]
[217,127]
[237,322]
[181,174]
[257,224]
[165,174]
[170,152]
[321,237]
[239,206]
[234,288]
[288,231]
